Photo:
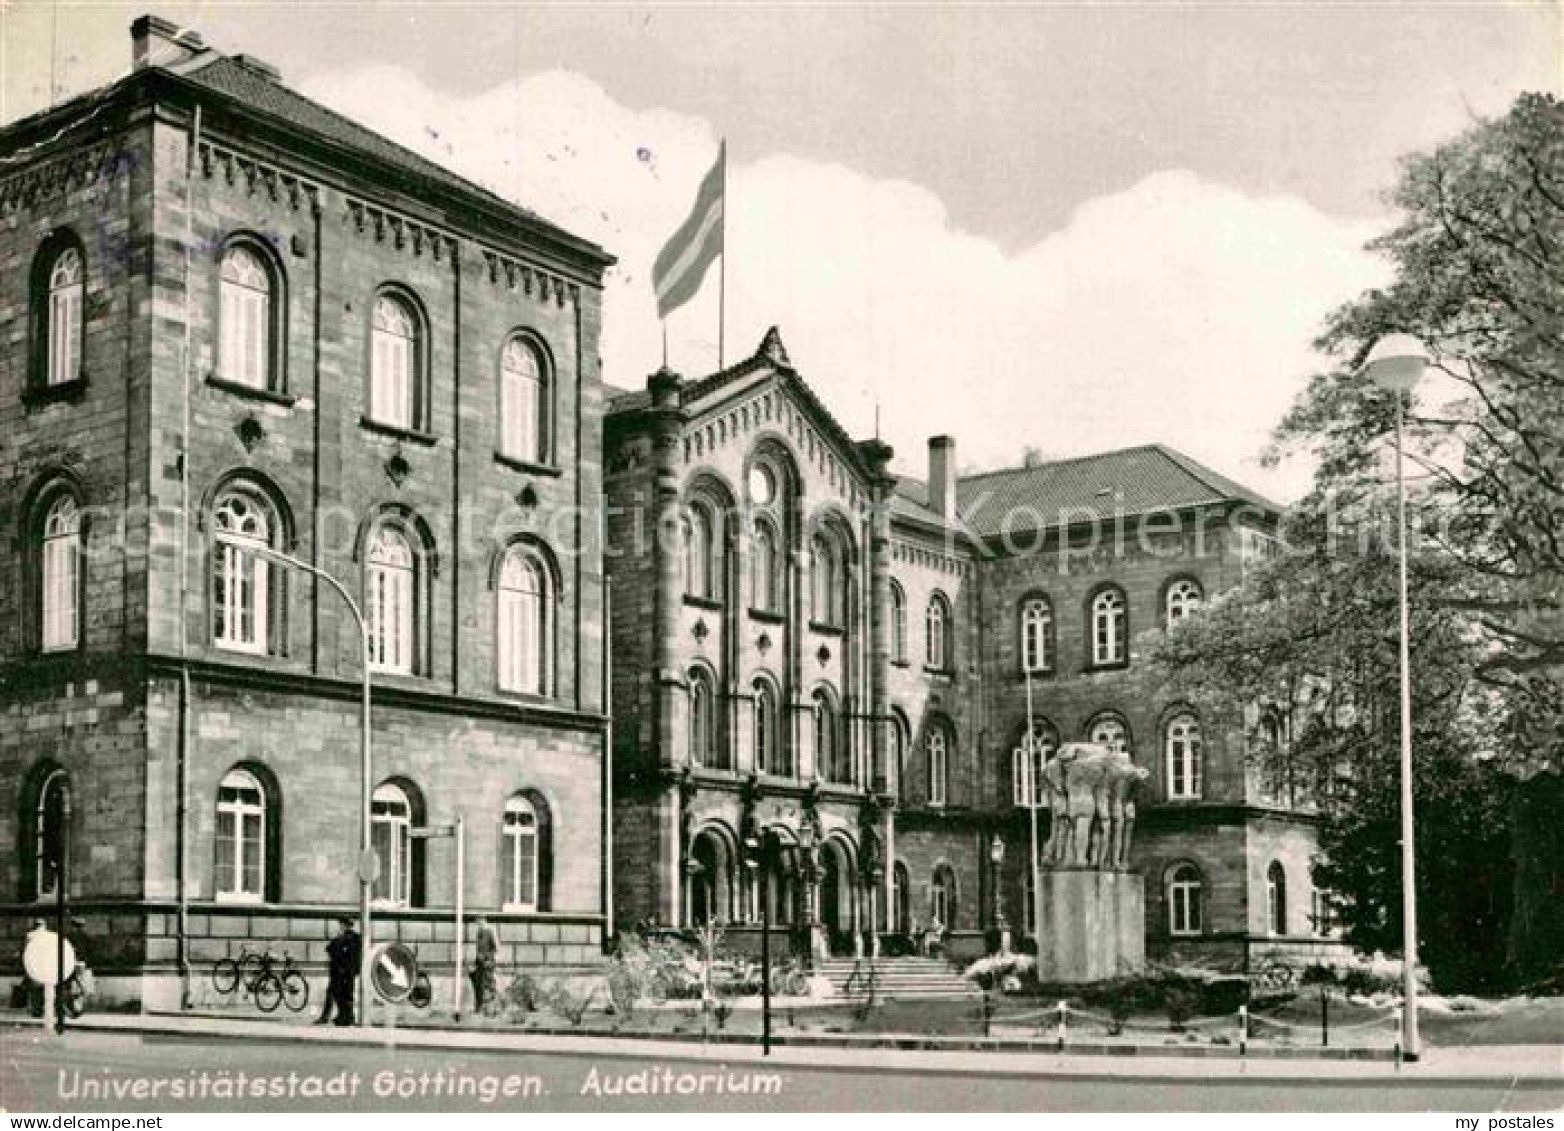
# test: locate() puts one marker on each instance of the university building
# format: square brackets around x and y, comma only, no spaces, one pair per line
[234,320]
[815,654]
[232,317]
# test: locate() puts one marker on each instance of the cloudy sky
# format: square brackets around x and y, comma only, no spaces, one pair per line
[1065,226]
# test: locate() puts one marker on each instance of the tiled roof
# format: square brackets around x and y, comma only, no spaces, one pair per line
[229,76]
[1127,482]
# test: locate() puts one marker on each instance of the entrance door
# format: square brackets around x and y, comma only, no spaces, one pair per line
[831,901]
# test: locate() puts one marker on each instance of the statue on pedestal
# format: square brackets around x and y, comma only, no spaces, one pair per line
[1090,790]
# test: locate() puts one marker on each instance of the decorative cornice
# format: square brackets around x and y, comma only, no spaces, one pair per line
[502,270]
[230,167]
[403,232]
[72,169]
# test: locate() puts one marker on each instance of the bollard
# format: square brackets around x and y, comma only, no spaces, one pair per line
[1243,1030]
[1063,1013]
[1324,1018]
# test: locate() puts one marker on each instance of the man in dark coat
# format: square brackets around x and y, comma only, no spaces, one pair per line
[343,953]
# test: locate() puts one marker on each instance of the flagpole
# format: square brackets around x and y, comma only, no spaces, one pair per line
[722,282]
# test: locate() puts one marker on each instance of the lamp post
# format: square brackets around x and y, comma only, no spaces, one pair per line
[758,850]
[245,546]
[1395,364]
[996,860]
[1031,797]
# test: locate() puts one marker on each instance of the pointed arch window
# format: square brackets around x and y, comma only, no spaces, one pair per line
[61,560]
[1037,633]
[937,749]
[63,318]
[524,415]
[391,600]
[1183,598]
[1185,893]
[1110,628]
[525,644]
[395,363]
[240,838]
[520,832]
[1183,751]
[898,624]
[900,742]
[244,315]
[938,653]
[247,590]
[1276,899]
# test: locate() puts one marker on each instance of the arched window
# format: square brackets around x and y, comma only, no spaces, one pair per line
[1110,628]
[247,589]
[703,719]
[244,319]
[391,836]
[395,364]
[526,630]
[1032,752]
[937,746]
[391,600]
[1276,898]
[49,846]
[825,573]
[942,896]
[832,758]
[63,318]
[898,624]
[1184,900]
[900,742]
[1037,632]
[60,561]
[700,548]
[520,833]
[1112,732]
[1323,914]
[770,758]
[240,838]
[1182,747]
[764,567]
[1183,598]
[937,634]
[524,403]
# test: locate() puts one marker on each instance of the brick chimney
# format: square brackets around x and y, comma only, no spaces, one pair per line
[156,42]
[942,476]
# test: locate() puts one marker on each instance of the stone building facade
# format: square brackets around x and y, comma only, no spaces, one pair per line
[821,659]
[230,319]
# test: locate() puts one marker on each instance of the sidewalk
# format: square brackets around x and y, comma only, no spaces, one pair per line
[1500,1063]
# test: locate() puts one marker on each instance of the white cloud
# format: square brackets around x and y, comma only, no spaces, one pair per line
[1176,310]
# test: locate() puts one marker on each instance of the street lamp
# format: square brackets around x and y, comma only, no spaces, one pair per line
[1030,795]
[1395,364]
[759,850]
[366,855]
[996,860]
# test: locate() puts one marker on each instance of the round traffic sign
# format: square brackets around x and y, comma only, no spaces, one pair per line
[393,971]
[40,957]
[369,866]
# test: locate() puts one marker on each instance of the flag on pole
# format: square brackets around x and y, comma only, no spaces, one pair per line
[682,263]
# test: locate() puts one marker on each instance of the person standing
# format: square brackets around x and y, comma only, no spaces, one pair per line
[342,954]
[486,955]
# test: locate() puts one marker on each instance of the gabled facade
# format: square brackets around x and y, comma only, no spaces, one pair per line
[807,645]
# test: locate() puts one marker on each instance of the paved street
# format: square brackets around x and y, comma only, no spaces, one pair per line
[92,1071]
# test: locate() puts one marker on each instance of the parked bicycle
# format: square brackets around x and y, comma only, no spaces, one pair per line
[268,979]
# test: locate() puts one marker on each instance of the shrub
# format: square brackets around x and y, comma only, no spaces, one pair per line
[522,995]
[1002,971]
[568,1001]
[1180,1005]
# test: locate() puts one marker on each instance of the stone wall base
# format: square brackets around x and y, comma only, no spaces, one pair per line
[1093,925]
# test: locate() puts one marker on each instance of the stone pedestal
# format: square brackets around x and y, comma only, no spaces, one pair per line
[1092,925]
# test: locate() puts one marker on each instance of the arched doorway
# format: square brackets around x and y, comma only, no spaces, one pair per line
[901,900]
[711,879]
[838,895]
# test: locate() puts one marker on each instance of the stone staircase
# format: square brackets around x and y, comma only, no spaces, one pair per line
[896,978]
